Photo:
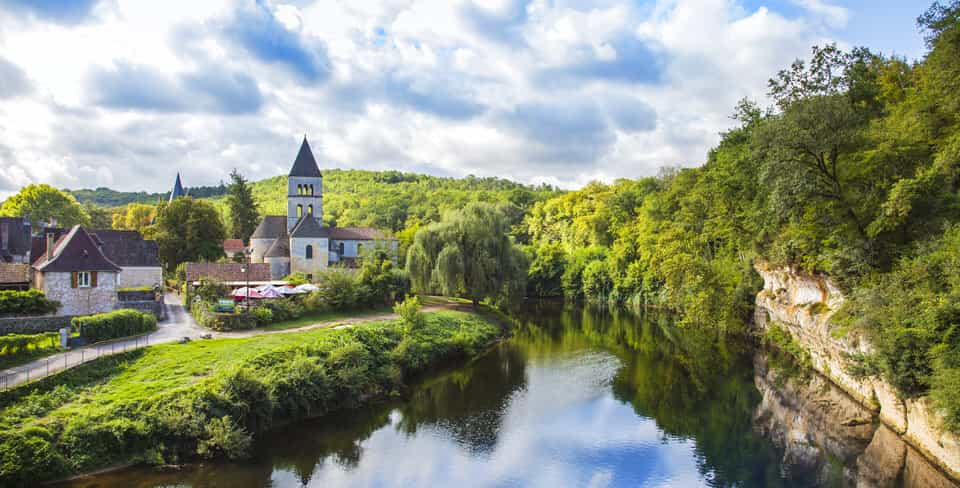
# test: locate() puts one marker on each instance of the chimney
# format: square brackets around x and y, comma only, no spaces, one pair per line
[50,244]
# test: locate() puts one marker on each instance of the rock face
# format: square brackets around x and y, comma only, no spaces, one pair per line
[802,304]
[830,439]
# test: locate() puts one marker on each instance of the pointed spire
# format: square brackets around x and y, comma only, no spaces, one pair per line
[305,165]
[177,191]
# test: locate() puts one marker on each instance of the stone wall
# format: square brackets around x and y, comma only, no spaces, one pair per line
[298,252]
[136,276]
[148,306]
[136,295]
[80,301]
[33,325]
[803,304]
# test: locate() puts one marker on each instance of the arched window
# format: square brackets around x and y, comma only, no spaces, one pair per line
[340,249]
[359,250]
[299,189]
[311,189]
[310,209]
[299,211]
[309,251]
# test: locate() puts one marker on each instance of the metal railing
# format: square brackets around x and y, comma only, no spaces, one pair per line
[42,368]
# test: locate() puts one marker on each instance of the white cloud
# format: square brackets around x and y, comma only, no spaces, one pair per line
[432,85]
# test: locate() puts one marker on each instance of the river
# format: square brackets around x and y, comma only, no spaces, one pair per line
[584,397]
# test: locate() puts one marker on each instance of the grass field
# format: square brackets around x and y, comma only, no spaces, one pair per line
[313,318]
[171,402]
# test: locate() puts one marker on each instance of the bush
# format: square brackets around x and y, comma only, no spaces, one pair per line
[30,302]
[224,437]
[296,279]
[211,290]
[205,316]
[409,312]
[14,344]
[283,308]
[262,315]
[111,325]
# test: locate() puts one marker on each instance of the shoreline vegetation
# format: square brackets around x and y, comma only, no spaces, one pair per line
[172,403]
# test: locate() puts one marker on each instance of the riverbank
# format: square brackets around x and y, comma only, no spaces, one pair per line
[174,402]
[802,305]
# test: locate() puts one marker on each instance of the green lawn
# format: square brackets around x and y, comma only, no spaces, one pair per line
[172,402]
[313,318]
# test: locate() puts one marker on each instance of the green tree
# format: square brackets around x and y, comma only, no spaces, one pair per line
[100,218]
[243,213]
[43,203]
[135,216]
[468,254]
[189,230]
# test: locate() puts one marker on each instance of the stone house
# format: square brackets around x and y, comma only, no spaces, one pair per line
[299,242]
[74,271]
[138,258]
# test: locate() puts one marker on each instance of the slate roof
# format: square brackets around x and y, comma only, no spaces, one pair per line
[356,234]
[14,237]
[308,226]
[271,227]
[127,248]
[305,165]
[38,243]
[227,272]
[75,251]
[14,273]
[177,191]
[279,249]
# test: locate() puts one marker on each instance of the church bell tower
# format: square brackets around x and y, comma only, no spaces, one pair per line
[304,188]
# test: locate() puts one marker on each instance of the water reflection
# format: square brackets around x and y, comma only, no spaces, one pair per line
[583,397]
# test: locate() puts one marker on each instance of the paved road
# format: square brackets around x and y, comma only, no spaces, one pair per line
[177,325]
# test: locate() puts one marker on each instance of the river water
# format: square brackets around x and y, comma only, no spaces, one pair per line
[585,397]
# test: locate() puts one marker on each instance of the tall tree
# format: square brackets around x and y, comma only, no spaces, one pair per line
[42,204]
[468,254]
[189,230]
[100,218]
[243,215]
[136,216]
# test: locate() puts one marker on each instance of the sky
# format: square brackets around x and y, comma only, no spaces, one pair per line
[123,94]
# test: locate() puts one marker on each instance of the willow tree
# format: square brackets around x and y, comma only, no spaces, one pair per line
[468,254]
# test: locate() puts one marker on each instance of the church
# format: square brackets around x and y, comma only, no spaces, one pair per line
[299,242]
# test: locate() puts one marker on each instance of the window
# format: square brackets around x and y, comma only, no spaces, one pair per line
[299,189]
[310,209]
[311,189]
[359,250]
[340,249]
[309,252]
[299,211]
[83,279]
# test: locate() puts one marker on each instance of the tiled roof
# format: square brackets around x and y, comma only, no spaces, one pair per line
[127,248]
[279,249]
[305,165]
[14,273]
[14,237]
[308,227]
[76,251]
[271,227]
[356,234]
[227,271]
[231,246]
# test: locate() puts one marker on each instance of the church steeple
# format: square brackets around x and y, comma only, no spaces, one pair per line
[177,191]
[304,187]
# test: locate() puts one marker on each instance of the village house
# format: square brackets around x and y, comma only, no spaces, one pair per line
[72,270]
[299,242]
[14,240]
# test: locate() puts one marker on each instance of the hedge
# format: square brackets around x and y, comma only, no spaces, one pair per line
[111,325]
[206,317]
[30,302]
[13,344]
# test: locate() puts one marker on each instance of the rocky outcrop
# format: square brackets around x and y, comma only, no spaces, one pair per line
[830,439]
[802,304]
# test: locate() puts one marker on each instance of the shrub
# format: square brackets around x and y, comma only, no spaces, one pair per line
[262,315]
[211,290]
[283,308]
[206,317]
[111,325]
[30,302]
[296,279]
[409,312]
[224,437]
[15,344]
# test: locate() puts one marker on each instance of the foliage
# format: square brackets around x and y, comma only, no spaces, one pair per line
[43,203]
[100,218]
[189,230]
[296,279]
[135,216]
[204,314]
[29,302]
[262,315]
[13,344]
[410,314]
[242,209]
[210,290]
[170,403]
[111,325]
[468,254]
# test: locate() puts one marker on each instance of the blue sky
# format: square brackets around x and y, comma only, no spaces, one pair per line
[124,93]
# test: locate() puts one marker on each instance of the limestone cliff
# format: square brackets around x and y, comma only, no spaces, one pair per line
[803,304]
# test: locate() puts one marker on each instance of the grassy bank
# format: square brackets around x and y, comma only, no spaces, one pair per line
[174,402]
